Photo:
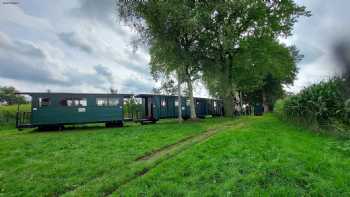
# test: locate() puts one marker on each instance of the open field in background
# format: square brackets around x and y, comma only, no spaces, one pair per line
[8,114]
[212,157]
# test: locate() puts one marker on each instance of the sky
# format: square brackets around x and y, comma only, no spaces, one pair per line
[79,46]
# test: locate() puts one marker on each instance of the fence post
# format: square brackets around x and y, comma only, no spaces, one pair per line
[17,114]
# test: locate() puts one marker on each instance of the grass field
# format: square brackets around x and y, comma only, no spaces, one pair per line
[249,156]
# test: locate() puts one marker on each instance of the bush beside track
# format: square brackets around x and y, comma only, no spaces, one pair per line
[321,107]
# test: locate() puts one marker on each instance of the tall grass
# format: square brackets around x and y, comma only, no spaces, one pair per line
[322,106]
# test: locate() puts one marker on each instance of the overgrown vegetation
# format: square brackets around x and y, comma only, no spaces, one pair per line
[323,106]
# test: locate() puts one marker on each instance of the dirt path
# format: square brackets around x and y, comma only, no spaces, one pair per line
[143,164]
[160,155]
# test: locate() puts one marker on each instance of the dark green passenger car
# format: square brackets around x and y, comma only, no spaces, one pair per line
[58,109]
[166,106]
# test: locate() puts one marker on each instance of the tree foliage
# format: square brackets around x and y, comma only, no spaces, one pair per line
[170,30]
[8,95]
[233,44]
[238,36]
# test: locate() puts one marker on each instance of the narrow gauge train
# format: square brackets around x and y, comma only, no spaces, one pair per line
[54,110]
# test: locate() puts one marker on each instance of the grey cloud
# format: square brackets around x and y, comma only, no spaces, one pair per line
[73,40]
[47,57]
[130,60]
[310,53]
[20,47]
[317,36]
[136,86]
[104,72]
[19,70]
[342,53]
[25,62]
[102,11]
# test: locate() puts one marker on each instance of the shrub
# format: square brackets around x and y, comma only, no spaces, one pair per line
[279,107]
[320,106]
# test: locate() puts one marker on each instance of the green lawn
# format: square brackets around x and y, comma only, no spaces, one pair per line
[250,156]
[53,163]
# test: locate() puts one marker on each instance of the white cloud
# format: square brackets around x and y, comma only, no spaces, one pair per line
[12,15]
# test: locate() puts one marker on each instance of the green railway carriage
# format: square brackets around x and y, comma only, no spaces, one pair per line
[58,109]
[54,110]
[161,106]
[205,106]
[164,106]
[216,107]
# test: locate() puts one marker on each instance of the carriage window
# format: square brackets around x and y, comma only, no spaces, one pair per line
[163,103]
[77,102]
[43,102]
[68,102]
[176,103]
[113,101]
[82,102]
[188,102]
[101,102]
[214,104]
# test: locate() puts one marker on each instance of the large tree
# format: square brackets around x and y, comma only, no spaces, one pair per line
[265,65]
[229,28]
[212,36]
[170,29]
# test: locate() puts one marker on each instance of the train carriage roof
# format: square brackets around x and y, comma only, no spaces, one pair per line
[73,94]
[151,95]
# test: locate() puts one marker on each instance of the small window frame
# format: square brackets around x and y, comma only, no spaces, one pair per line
[102,102]
[163,103]
[187,102]
[42,103]
[74,102]
[113,101]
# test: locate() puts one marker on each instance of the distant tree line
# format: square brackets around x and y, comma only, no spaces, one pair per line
[8,96]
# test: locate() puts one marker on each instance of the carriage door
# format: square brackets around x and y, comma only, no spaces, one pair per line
[149,107]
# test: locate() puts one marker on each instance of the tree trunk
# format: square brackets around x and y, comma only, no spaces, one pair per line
[265,104]
[228,106]
[179,97]
[190,94]
[242,112]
